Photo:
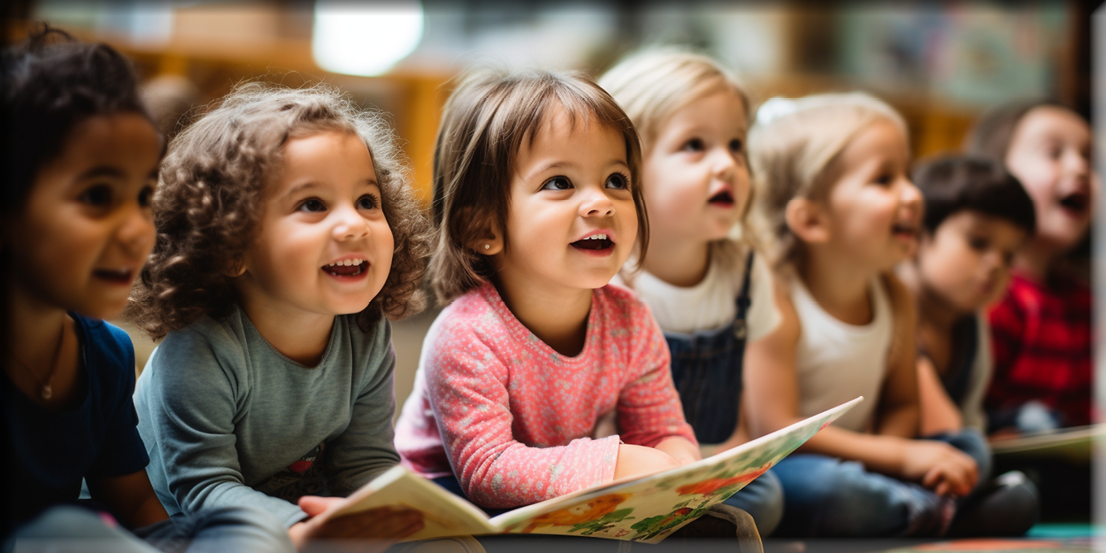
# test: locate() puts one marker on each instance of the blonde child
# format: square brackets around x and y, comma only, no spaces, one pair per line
[81,159]
[977,217]
[538,205]
[705,288]
[287,235]
[1041,330]
[838,212]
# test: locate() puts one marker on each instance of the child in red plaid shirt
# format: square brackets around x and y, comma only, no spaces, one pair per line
[1041,330]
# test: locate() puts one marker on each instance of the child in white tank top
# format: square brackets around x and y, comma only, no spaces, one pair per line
[837,211]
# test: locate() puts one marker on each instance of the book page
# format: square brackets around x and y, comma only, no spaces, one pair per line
[444,514]
[649,508]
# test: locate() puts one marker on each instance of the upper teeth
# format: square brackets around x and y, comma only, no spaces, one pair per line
[346,262]
[596,237]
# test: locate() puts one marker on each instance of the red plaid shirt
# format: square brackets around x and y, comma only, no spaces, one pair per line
[1042,334]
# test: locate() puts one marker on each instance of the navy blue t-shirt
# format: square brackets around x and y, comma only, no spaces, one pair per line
[49,452]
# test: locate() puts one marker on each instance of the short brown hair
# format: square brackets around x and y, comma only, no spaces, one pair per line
[991,134]
[209,199]
[484,122]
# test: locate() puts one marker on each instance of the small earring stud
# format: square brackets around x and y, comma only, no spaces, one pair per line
[487,246]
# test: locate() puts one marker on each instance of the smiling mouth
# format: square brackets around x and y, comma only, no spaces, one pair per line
[905,230]
[724,197]
[593,242]
[1077,202]
[349,267]
[117,276]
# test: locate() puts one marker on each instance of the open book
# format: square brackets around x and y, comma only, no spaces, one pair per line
[646,509]
[1075,444]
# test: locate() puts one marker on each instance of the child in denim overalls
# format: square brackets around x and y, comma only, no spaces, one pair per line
[698,278]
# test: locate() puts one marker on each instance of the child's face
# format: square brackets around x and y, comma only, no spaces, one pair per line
[571,223]
[1050,153]
[323,246]
[966,261]
[696,181]
[86,228]
[874,211]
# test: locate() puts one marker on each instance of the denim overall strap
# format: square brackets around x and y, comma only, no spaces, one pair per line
[707,371]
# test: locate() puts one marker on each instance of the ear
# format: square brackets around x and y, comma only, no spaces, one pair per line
[234,268]
[485,236]
[807,219]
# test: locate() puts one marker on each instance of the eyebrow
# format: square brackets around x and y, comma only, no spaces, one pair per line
[569,164]
[313,184]
[105,171]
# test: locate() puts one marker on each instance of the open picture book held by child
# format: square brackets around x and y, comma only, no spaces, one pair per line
[646,508]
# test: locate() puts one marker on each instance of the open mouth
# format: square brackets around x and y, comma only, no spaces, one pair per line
[1077,202]
[348,267]
[594,242]
[905,230]
[116,276]
[723,198]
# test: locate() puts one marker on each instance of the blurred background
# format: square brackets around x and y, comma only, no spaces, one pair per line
[941,64]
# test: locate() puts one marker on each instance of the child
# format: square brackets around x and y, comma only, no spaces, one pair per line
[81,159]
[839,211]
[703,287]
[977,216]
[538,205]
[286,235]
[1041,330]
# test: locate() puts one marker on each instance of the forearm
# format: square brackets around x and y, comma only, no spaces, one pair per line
[883,454]
[680,448]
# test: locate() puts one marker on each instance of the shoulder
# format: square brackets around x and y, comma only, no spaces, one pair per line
[110,350]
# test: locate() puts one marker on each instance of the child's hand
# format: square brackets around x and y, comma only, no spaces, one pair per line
[636,460]
[940,467]
[382,526]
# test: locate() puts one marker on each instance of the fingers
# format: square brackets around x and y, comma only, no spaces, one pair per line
[384,523]
[314,505]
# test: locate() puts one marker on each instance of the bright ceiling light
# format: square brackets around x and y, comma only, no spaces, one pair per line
[365,40]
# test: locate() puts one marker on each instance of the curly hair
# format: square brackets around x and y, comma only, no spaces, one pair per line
[484,123]
[212,184]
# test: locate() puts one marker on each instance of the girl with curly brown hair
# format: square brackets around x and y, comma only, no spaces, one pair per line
[287,236]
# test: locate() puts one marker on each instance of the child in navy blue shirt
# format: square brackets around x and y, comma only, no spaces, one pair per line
[81,158]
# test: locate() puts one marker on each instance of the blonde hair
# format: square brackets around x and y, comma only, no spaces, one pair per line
[796,144]
[484,122]
[209,200]
[654,83]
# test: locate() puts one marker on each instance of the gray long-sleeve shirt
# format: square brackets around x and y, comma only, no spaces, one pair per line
[228,420]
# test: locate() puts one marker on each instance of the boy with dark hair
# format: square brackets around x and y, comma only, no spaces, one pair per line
[977,216]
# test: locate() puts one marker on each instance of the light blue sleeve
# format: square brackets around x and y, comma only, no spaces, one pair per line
[188,399]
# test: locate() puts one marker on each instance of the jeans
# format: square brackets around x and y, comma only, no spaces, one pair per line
[74,529]
[830,497]
[763,500]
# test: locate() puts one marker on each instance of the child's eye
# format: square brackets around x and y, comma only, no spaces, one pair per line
[618,181]
[313,205]
[557,183]
[693,145]
[97,196]
[977,243]
[884,179]
[145,196]
[736,145]
[368,201]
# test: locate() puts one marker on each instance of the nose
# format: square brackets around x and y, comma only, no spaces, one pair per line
[136,231]
[349,223]
[1077,163]
[596,203]
[724,164]
[911,195]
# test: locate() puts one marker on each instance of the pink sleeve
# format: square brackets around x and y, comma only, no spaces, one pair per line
[649,407]
[467,385]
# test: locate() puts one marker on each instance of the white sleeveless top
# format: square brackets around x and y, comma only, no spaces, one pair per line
[836,361]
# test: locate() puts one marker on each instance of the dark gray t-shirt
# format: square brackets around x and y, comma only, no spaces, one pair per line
[228,420]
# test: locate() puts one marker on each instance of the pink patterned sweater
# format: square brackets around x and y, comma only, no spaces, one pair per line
[512,416]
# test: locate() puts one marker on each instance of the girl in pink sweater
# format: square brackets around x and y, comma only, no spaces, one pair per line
[537,203]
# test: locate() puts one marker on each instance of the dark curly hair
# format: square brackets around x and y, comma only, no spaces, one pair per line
[210,194]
